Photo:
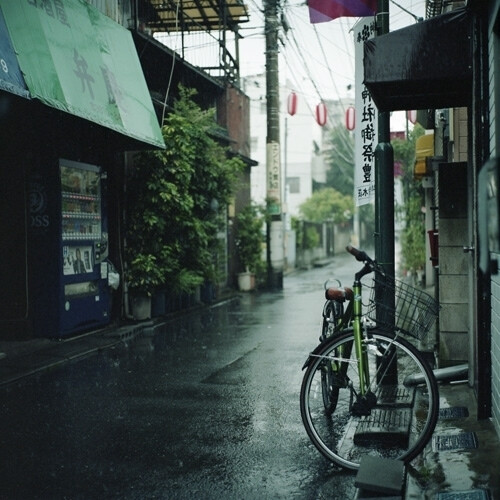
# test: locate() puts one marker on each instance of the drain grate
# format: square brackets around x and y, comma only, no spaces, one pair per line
[464,495]
[395,396]
[453,412]
[459,441]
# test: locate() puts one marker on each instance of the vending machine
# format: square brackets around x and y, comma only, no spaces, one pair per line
[69,249]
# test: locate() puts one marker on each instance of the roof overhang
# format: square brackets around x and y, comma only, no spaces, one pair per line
[195,15]
[424,66]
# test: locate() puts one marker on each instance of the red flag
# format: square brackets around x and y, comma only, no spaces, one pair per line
[321,11]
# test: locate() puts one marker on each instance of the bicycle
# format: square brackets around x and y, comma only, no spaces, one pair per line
[379,396]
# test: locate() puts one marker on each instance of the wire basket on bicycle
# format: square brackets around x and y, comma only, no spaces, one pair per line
[413,312]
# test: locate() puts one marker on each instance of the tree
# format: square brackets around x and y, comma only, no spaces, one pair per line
[404,153]
[413,233]
[328,203]
[339,156]
[413,236]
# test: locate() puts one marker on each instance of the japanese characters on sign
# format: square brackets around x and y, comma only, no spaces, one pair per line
[366,122]
[56,10]
[53,8]
[273,177]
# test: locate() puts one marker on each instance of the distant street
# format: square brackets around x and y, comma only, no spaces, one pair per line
[208,409]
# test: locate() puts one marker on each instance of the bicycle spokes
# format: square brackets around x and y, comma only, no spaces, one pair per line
[385,418]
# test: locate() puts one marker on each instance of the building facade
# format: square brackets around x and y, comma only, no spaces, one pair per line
[457,86]
[85,85]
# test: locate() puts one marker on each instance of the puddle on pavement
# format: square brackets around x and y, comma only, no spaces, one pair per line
[459,469]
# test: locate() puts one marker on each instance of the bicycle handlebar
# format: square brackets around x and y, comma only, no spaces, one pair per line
[359,255]
[369,264]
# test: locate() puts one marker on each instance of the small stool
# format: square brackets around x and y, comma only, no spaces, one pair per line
[380,476]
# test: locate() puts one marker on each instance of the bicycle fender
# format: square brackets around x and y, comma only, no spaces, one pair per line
[320,347]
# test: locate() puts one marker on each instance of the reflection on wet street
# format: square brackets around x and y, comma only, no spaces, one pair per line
[459,468]
[207,407]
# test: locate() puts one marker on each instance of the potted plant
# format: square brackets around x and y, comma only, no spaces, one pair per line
[143,277]
[248,240]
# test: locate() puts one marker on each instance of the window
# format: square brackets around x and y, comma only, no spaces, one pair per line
[293,184]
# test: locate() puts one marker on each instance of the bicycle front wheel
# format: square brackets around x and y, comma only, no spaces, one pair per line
[402,411]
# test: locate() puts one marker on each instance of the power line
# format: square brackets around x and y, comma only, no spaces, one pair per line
[329,70]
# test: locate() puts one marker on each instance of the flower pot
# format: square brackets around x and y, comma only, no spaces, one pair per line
[246,281]
[141,307]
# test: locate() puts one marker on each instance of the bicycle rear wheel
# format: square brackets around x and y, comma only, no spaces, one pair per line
[328,387]
[397,426]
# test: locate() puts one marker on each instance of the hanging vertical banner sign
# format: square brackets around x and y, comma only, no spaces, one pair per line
[273,177]
[365,134]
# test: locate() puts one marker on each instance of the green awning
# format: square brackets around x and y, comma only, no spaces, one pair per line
[76,59]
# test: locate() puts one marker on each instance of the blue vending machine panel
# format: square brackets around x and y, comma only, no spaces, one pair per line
[84,291]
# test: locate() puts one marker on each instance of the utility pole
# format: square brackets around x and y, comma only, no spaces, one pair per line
[384,172]
[274,226]
[384,202]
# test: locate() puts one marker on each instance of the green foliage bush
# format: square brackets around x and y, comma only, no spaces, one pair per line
[249,238]
[307,235]
[413,236]
[171,195]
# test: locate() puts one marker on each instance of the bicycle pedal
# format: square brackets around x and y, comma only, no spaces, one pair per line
[360,409]
[363,406]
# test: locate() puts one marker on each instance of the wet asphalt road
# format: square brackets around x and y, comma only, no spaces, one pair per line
[207,409]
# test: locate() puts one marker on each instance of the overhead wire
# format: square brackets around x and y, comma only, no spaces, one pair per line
[329,67]
[298,63]
[327,64]
[304,62]
[323,62]
[173,65]
[295,22]
[302,27]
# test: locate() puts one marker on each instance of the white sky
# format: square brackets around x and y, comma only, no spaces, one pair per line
[317,58]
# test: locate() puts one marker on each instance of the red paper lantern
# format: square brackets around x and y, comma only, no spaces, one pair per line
[350,118]
[321,113]
[412,116]
[292,103]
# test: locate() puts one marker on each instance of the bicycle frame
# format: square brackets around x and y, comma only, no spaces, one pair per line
[360,349]
[352,317]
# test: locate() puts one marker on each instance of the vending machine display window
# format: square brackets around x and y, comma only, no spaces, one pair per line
[81,204]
